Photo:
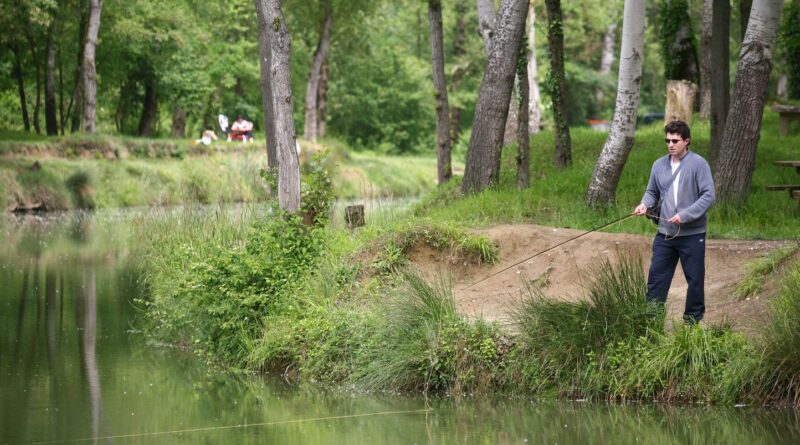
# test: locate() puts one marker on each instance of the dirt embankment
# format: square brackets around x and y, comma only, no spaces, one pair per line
[566,272]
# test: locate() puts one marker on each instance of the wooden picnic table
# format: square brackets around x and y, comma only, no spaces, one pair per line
[787,113]
[794,189]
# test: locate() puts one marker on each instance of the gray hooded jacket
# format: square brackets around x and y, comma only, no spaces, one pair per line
[695,194]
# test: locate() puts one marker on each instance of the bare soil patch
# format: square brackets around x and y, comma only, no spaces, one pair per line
[566,272]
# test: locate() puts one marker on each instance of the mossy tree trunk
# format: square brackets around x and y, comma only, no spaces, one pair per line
[443,163]
[523,136]
[557,83]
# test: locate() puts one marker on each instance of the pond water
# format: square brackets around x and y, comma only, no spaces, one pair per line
[74,369]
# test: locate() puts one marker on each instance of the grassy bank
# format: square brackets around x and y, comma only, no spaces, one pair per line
[555,197]
[346,308]
[105,172]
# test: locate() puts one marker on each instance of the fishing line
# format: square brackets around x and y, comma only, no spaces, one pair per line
[618,220]
[228,427]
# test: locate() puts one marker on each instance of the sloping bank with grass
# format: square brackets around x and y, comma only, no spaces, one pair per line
[326,305]
[108,172]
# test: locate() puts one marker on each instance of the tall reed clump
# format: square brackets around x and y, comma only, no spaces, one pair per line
[693,363]
[425,345]
[777,378]
[558,339]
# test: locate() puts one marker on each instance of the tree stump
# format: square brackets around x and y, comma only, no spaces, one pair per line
[680,101]
[354,216]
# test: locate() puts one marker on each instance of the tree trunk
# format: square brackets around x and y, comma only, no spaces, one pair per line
[510,131]
[62,117]
[310,129]
[50,111]
[486,23]
[523,137]
[26,122]
[677,40]
[535,99]
[555,38]
[744,15]
[737,153]
[38,77]
[443,163]
[178,123]
[705,59]
[75,108]
[680,101]
[483,155]
[782,89]
[607,58]
[602,188]
[267,101]
[280,74]
[322,102]
[89,71]
[459,38]
[720,76]
[147,123]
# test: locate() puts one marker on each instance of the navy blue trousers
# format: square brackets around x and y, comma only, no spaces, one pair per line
[691,251]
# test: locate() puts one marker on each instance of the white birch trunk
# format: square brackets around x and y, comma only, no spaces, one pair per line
[605,178]
[89,71]
[535,99]
[607,59]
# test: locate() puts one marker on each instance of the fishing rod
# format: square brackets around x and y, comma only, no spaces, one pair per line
[549,249]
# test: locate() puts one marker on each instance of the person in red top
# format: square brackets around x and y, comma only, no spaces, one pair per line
[243,128]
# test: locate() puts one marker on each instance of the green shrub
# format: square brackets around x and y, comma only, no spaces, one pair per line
[224,291]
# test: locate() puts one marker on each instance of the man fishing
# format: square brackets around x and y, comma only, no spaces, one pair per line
[678,195]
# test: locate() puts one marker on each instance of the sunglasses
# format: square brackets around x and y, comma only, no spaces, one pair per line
[674,141]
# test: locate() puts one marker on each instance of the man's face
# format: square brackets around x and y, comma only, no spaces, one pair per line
[677,145]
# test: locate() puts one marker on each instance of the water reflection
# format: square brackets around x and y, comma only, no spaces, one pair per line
[70,370]
[89,347]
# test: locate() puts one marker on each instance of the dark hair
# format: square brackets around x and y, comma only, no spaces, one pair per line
[678,127]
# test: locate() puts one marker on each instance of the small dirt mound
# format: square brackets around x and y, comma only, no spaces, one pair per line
[565,272]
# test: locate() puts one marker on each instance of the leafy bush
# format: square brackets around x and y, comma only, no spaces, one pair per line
[225,291]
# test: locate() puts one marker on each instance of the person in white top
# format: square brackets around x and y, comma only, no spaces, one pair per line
[241,128]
